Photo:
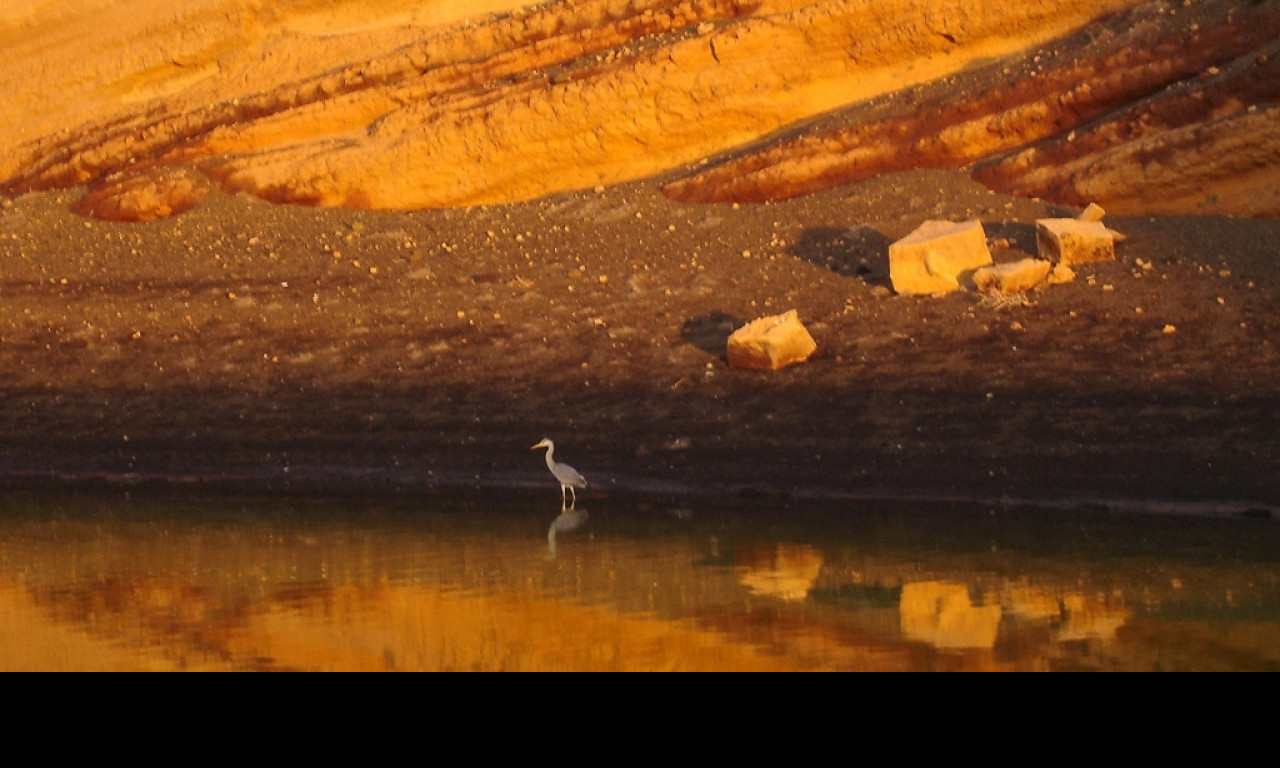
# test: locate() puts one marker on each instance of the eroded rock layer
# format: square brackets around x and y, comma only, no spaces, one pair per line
[1159,110]
[400,105]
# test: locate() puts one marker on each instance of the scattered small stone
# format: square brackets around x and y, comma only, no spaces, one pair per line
[1060,274]
[1093,212]
[1168,329]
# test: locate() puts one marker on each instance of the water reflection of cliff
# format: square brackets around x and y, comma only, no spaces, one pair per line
[479,593]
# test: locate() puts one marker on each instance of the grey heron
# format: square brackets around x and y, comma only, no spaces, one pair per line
[568,477]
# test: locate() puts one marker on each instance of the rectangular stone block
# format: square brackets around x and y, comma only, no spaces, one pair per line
[1072,241]
[937,256]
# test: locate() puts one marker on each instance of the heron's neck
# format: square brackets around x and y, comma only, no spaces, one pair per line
[550,463]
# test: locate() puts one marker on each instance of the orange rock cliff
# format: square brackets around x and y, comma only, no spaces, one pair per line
[1145,107]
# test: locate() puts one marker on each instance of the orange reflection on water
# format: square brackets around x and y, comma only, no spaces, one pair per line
[413,629]
[610,592]
[942,615]
[142,626]
[785,571]
[353,629]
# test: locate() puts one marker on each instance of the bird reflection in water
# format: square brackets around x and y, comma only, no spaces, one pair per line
[570,519]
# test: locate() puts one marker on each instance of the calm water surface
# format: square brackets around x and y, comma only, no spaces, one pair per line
[169,581]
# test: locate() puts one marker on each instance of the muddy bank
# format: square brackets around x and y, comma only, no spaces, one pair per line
[245,343]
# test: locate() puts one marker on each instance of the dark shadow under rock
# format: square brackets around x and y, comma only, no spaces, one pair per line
[711,332]
[854,252]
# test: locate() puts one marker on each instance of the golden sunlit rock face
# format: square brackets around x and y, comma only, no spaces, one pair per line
[1165,109]
[403,105]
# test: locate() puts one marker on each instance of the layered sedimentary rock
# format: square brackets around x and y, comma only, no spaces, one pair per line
[1165,109]
[415,104]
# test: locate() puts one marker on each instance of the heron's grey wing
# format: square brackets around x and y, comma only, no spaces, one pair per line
[571,476]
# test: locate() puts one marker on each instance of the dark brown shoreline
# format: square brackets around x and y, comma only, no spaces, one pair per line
[529,488]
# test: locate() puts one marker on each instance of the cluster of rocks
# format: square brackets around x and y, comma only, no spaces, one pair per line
[944,256]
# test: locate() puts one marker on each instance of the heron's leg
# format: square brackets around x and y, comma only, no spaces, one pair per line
[574,493]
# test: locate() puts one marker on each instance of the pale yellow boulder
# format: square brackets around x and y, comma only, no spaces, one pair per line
[1072,241]
[937,256]
[770,343]
[1011,278]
